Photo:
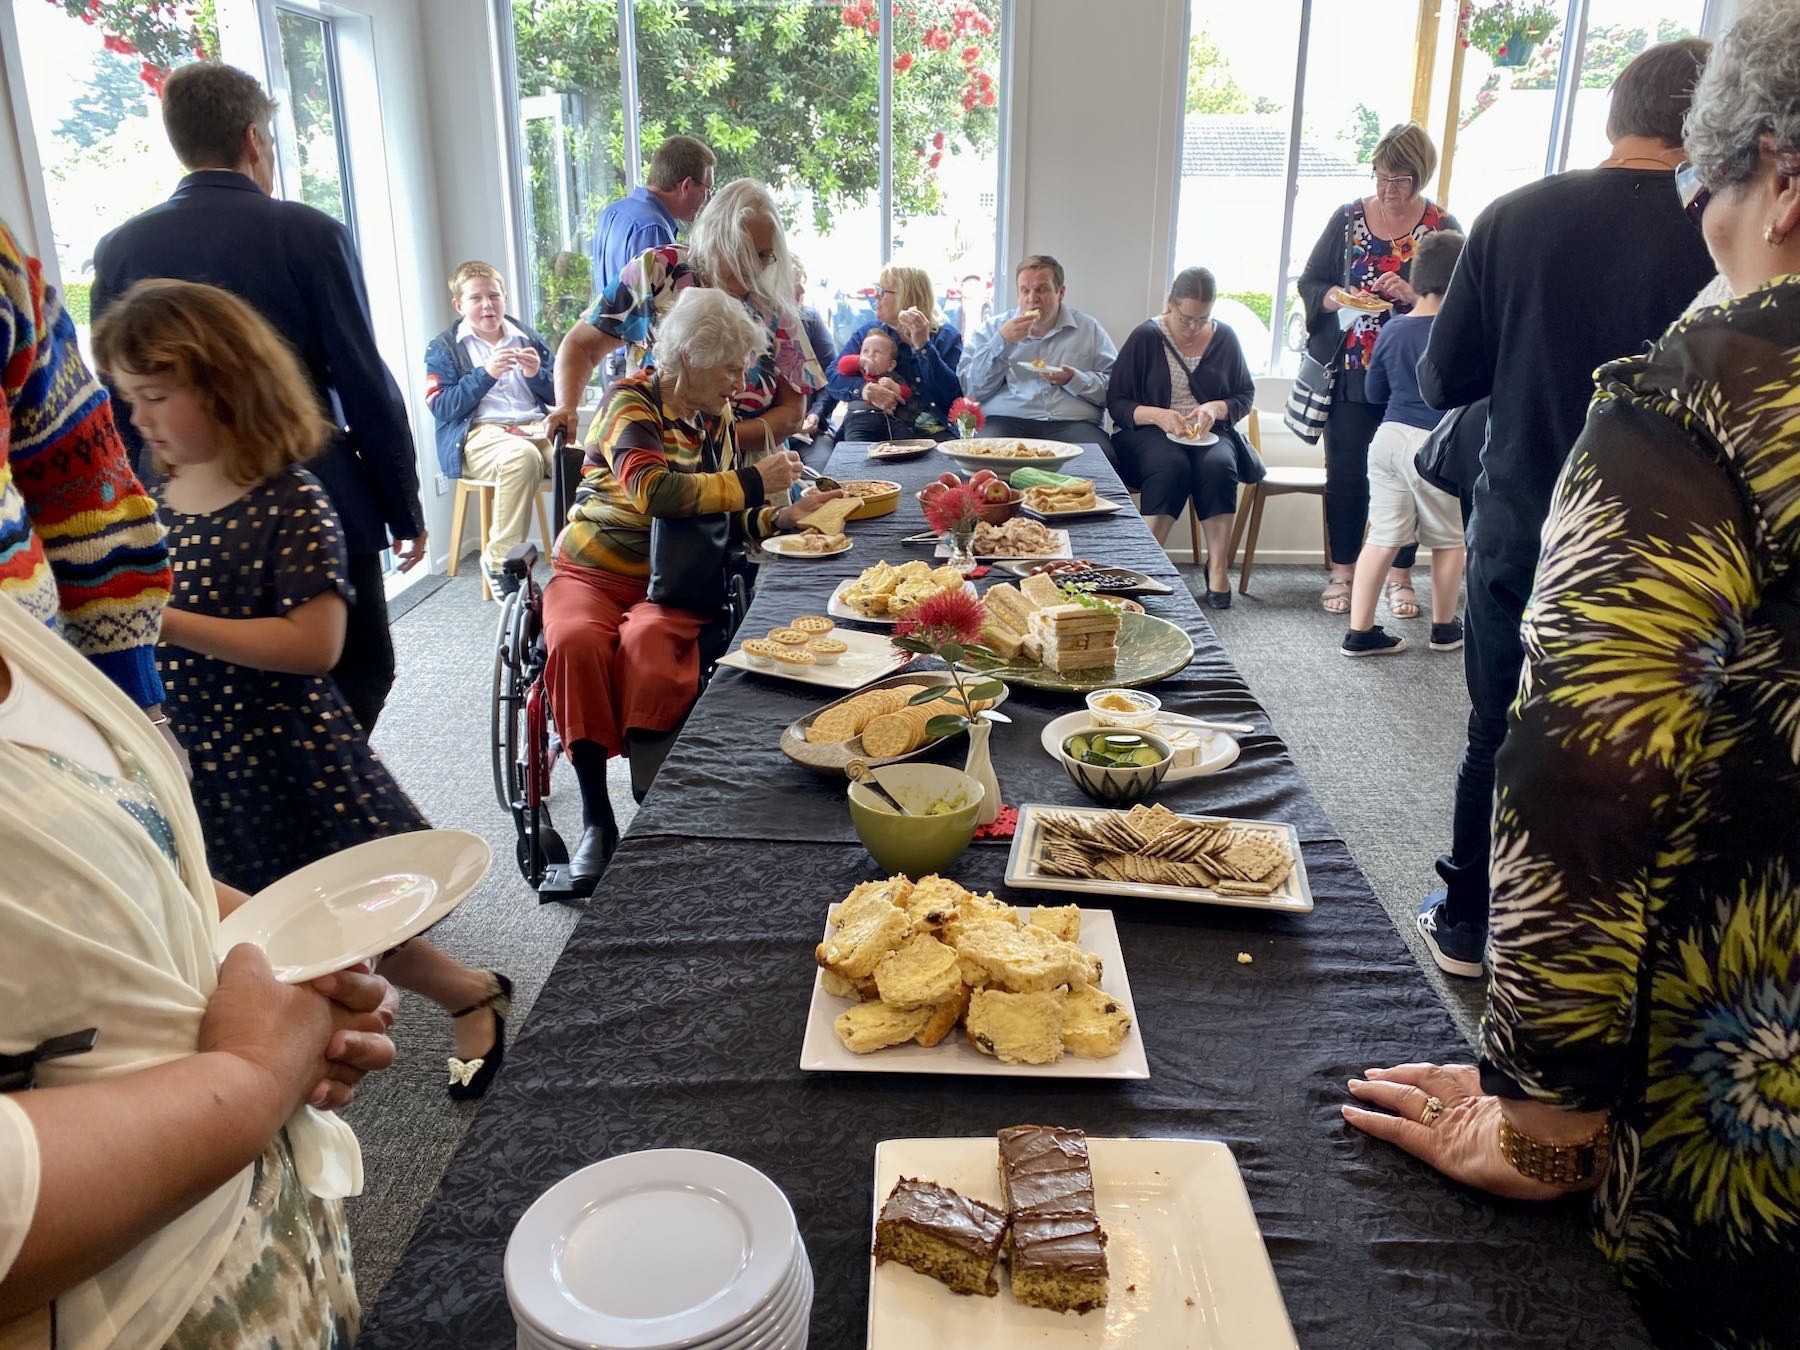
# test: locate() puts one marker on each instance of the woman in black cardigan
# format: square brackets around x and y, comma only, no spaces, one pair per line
[1182,374]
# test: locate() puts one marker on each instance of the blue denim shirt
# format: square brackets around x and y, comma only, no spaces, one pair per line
[993,374]
[628,227]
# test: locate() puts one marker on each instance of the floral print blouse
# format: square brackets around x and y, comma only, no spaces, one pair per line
[631,308]
[1370,256]
[1645,929]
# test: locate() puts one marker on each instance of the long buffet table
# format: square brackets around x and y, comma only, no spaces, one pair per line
[675,1016]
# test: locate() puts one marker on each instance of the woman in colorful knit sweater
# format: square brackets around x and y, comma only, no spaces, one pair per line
[80,546]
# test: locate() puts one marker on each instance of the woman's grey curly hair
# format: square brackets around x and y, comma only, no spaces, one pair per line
[720,243]
[709,330]
[1750,90]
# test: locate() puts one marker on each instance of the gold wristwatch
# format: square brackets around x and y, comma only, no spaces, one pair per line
[1558,1164]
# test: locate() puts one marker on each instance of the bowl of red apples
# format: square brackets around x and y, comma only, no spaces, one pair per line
[1001,503]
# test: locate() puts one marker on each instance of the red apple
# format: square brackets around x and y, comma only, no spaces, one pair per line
[949,479]
[995,490]
[931,491]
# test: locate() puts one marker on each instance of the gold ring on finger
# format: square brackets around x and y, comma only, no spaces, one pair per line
[1434,1107]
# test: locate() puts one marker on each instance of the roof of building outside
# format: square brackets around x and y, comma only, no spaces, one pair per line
[1218,145]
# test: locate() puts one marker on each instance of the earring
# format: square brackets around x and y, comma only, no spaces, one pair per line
[1773,239]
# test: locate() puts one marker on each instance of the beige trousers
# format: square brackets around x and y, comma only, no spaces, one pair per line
[518,463]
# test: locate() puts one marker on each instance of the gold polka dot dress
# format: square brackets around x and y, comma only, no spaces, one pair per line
[283,774]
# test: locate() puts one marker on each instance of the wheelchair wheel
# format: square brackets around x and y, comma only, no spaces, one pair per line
[507,711]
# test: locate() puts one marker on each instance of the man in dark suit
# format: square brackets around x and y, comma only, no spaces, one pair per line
[298,268]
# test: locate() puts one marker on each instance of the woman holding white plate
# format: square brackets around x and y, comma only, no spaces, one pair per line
[164,1182]
[1179,387]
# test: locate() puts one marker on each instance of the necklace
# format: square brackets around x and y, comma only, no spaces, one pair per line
[1389,233]
[1626,161]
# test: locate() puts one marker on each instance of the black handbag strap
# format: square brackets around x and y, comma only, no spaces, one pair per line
[1180,360]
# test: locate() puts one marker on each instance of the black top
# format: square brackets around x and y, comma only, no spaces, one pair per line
[1140,375]
[297,267]
[1555,279]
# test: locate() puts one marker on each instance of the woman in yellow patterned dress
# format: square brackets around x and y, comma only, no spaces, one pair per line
[1642,1033]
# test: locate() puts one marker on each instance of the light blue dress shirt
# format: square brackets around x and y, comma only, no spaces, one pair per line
[993,370]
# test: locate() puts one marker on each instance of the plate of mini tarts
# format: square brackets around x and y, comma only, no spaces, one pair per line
[814,625]
[789,637]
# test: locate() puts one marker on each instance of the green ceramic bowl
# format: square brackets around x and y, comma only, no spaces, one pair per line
[917,845]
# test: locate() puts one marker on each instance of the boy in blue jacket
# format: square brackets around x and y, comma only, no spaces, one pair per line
[488,383]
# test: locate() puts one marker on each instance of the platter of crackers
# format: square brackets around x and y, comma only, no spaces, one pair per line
[886,593]
[813,650]
[1005,453]
[1047,637]
[929,977]
[1151,853]
[877,725]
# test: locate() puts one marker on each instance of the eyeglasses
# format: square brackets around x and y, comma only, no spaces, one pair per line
[1398,180]
[1694,193]
[1188,322]
[885,290]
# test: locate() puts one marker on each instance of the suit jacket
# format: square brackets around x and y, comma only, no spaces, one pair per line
[298,268]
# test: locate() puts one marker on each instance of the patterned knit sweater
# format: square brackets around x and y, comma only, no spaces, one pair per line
[80,545]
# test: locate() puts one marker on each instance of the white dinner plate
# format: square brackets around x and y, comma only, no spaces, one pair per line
[822,1051]
[971,454]
[894,451]
[1217,749]
[785,546]
[1294,896]
[669,1247]
[1062,550]
[1210,438]
[837,609]
[1101,507]
[1186,1265]
[358,903]
[870,656]
[1041,369]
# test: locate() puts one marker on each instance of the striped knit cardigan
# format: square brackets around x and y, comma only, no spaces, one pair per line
[80,545]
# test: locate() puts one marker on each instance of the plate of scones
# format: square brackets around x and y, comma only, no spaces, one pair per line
[929,977]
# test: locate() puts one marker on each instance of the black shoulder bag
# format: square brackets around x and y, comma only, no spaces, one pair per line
[688,553]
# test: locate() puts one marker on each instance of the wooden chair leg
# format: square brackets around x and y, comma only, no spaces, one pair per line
[459,510]
[487,528]
[1250,543]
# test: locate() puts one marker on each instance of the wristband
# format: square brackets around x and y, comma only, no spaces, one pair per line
[1558,1164]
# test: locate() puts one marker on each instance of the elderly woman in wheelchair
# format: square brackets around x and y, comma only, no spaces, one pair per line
[639,573]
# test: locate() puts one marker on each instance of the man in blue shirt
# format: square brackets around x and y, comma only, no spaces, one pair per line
[680,183]
[1041,370]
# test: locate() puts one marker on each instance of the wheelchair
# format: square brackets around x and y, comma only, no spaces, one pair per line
[523,741]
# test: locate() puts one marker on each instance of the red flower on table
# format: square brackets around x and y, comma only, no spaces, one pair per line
[966,416]
[949,616]
[955,510]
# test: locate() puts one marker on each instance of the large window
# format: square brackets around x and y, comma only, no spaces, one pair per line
[305,80]
[787,91]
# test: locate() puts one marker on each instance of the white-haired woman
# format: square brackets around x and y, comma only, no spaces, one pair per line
[665,446]
[737,246]
[1643,1024]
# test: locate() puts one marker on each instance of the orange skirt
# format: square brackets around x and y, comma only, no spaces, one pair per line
[615,662]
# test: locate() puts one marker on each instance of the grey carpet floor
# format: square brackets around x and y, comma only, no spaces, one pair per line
[1378,740]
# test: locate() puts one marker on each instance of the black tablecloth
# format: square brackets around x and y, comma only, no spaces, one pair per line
[675,1017]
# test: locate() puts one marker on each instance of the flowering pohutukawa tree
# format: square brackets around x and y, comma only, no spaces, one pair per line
[948,626]
[162,34]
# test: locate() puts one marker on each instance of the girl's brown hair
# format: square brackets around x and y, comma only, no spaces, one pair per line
[249,380]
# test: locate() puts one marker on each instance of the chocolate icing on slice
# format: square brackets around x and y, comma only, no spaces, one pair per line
[1049,1190]
[943,1214]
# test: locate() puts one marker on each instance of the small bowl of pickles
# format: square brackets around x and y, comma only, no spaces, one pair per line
[1116,766]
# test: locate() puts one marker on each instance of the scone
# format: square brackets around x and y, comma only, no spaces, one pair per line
[1062,920]
[935,903]
[868,928]
[839,986]
[1022,960]
[869,1027]
[921,972]
[1014,1028]
[1094,1023]
[977,908]
[944,1018]
[894,890]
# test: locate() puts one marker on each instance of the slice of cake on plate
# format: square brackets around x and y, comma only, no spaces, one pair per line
[1055,1247]
[939,1233]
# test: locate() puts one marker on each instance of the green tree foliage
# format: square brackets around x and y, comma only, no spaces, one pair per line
[1210,86]
[114,93]
[160,34]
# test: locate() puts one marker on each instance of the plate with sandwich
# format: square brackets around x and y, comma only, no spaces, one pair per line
[1364,302]
[1046,638]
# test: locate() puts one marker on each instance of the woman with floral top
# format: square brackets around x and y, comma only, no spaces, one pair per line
[1642,1033]
[737,246]
[1366,246]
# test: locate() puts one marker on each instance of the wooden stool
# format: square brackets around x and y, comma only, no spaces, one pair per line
[485,524]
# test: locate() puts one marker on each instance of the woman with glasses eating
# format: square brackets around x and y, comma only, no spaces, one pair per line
[1354,278]
[929,347]
[1179,387]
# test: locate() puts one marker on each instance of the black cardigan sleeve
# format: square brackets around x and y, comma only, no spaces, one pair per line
[1139,376]
[1324,269]
[1228,378]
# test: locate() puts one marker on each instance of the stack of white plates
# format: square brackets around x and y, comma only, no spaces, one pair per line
[673,1249]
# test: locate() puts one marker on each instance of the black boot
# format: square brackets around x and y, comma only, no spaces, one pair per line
[600,832]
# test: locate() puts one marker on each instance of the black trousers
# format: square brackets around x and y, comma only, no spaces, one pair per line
[365,671]
[1349,427]
[1173,475]
[1496,591]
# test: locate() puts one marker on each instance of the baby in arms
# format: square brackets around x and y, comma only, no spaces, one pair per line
[876,363]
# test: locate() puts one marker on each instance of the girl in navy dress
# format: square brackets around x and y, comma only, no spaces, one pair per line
[283,774]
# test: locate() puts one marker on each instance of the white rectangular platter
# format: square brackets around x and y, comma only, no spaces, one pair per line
[837,609]
[870,657]
[822,1051]
[1062,550]
[1102,507]
[1187,1269]
[1294,896]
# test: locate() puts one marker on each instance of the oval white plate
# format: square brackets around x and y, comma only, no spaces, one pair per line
[780,546]
[1211,438]
[1217,749]
[358,903]
[661,1248]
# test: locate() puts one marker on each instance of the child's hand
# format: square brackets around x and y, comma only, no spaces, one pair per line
[887,382]
[500,362]
[528,361]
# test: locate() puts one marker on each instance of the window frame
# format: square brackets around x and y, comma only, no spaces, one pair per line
[287,154]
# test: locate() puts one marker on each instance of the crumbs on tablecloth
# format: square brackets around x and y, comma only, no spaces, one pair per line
[1189,1300]
[1244,958]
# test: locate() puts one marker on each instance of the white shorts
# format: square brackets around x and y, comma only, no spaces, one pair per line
[1403,507]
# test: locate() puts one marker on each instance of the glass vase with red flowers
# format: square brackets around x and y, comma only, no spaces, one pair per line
[954,513]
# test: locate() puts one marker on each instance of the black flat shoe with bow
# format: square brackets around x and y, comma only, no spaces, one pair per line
[470,1078]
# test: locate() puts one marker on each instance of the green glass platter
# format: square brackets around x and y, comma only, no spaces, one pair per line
[1150,649]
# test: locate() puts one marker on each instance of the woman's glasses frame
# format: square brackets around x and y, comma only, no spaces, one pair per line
[1694,192]
[1397,180]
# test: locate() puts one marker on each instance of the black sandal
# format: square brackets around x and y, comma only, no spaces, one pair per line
[471,1078]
